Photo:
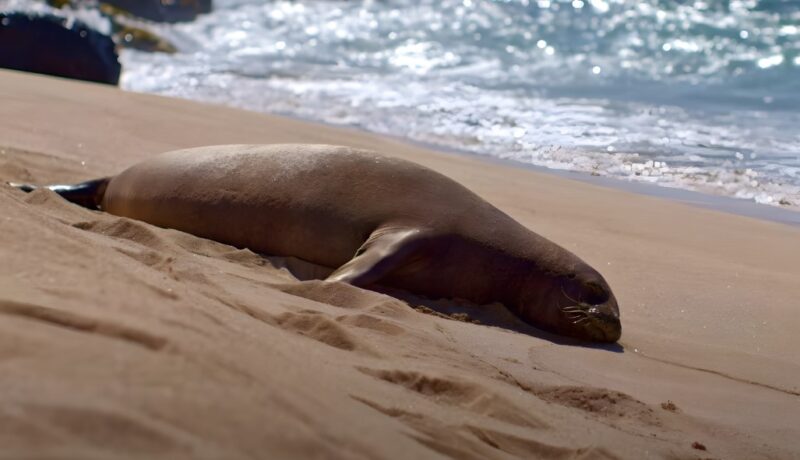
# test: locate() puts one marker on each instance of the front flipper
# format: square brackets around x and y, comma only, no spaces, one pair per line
[384,251]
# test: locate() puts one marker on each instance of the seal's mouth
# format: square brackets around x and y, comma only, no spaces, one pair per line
[598,323]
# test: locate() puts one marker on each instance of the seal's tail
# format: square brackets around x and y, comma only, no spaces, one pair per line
[88,194]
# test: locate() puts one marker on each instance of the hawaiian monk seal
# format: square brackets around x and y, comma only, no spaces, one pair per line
[374,219]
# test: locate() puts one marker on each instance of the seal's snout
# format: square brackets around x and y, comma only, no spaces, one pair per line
[595,323]
[605,325]
[591,313]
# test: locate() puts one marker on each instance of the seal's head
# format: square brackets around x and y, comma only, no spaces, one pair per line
[575,302]
[587,308]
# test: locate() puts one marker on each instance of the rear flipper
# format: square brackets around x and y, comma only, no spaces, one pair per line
[88,194]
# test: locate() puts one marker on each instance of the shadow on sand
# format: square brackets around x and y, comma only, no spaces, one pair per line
[495,315]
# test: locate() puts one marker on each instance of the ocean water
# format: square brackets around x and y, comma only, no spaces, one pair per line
[701,95]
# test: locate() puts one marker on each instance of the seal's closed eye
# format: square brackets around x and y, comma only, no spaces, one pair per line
[594,293]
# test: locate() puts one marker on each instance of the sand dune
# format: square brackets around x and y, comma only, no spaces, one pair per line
[121,339]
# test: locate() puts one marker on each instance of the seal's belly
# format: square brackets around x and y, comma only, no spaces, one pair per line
[318,235]
[263,229]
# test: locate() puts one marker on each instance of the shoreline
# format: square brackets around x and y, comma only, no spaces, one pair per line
[111,322]
[721,203]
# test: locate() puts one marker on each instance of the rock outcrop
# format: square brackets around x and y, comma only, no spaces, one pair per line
[57,46]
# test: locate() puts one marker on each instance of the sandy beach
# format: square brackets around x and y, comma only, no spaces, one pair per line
[120,339]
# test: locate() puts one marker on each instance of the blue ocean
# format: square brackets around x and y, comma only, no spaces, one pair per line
[701,95]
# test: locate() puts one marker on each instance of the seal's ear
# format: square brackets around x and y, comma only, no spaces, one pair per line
[386,249]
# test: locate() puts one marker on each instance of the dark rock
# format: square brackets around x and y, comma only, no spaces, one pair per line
[53,45]
[126,33]
[128,36]
[162,10]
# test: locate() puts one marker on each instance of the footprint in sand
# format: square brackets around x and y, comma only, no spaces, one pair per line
[94,426]
[128,229]
[599,401]
[372,323]
[346,296]
[471,442]
[80,323]
[319,327]
[467,395]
